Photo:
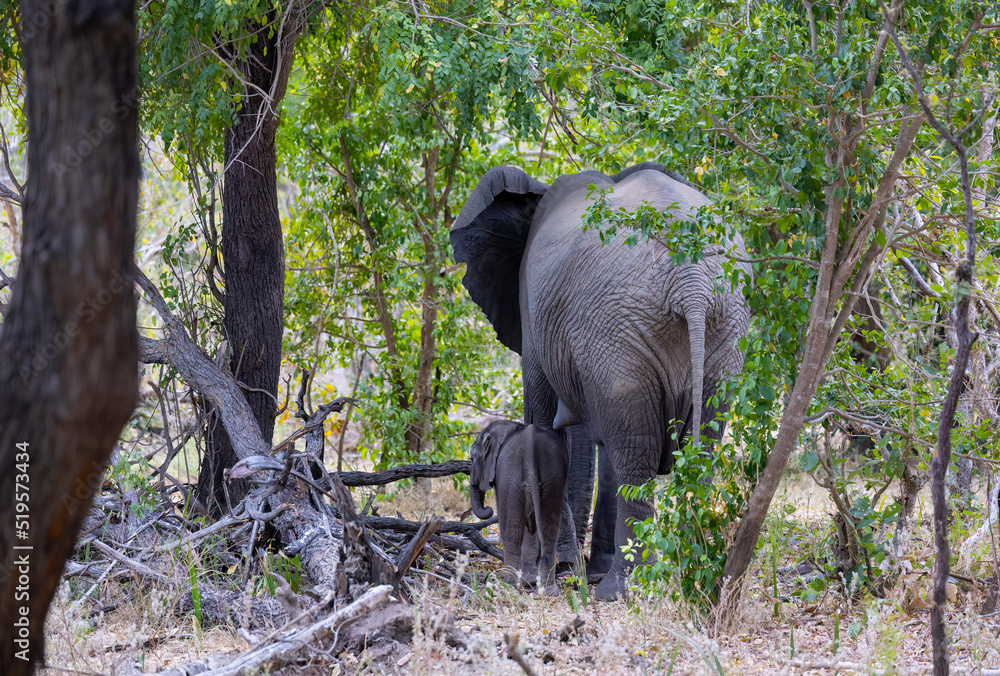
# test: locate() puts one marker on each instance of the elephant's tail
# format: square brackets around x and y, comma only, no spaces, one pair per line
[534,489]
[696,337]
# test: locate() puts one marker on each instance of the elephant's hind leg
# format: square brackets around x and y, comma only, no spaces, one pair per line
[549,509]
[579,494]
[635,455]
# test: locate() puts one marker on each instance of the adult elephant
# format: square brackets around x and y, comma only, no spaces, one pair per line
[619,339]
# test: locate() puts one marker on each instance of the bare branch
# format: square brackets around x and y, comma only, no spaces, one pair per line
[202,374]
[17,197]
[918,279]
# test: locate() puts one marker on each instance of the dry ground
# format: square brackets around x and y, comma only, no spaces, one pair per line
[644,636]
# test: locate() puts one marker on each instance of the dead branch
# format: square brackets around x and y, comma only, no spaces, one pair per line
[405,472]
[511,639]
[247,467]
[409,554]
[221,524]
[469,530]
[918,279]
[17,197]
[140,568]
[216,385]
[274,656]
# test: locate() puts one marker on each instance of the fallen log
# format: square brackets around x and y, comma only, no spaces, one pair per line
[405,472]
[469,530]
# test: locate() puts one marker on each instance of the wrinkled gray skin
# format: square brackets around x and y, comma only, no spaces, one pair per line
[616,339]
[528,467]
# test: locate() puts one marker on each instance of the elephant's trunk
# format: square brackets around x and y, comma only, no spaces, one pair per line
[478,497]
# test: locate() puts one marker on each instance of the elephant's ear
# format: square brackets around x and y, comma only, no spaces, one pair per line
[652,166]
[477,472]
[485,463]
[504,430]
[489,236]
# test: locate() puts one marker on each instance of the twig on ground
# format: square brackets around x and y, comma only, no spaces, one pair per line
[221,524]
[512,652]
[469,530]
[140,568]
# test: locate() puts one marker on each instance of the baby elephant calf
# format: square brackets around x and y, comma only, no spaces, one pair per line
[528,467]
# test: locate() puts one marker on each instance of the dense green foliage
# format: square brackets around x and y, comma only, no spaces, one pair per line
[384,160]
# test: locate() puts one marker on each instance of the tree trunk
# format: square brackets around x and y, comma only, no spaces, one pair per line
[422,402]
[68,346]
[252,250]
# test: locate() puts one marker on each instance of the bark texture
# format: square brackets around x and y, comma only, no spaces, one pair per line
[252,246]
[68,379]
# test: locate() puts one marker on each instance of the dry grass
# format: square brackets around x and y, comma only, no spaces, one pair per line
[644,636]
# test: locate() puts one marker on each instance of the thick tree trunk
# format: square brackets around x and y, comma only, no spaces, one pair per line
[68,377]
[252,251]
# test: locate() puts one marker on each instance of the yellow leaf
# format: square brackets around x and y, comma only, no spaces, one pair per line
[699,171]
[409,89]
[720,72]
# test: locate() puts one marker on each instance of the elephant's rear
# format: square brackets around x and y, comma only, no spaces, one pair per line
[611,323]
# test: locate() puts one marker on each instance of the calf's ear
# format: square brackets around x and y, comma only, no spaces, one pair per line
[484,463]
[489,236]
